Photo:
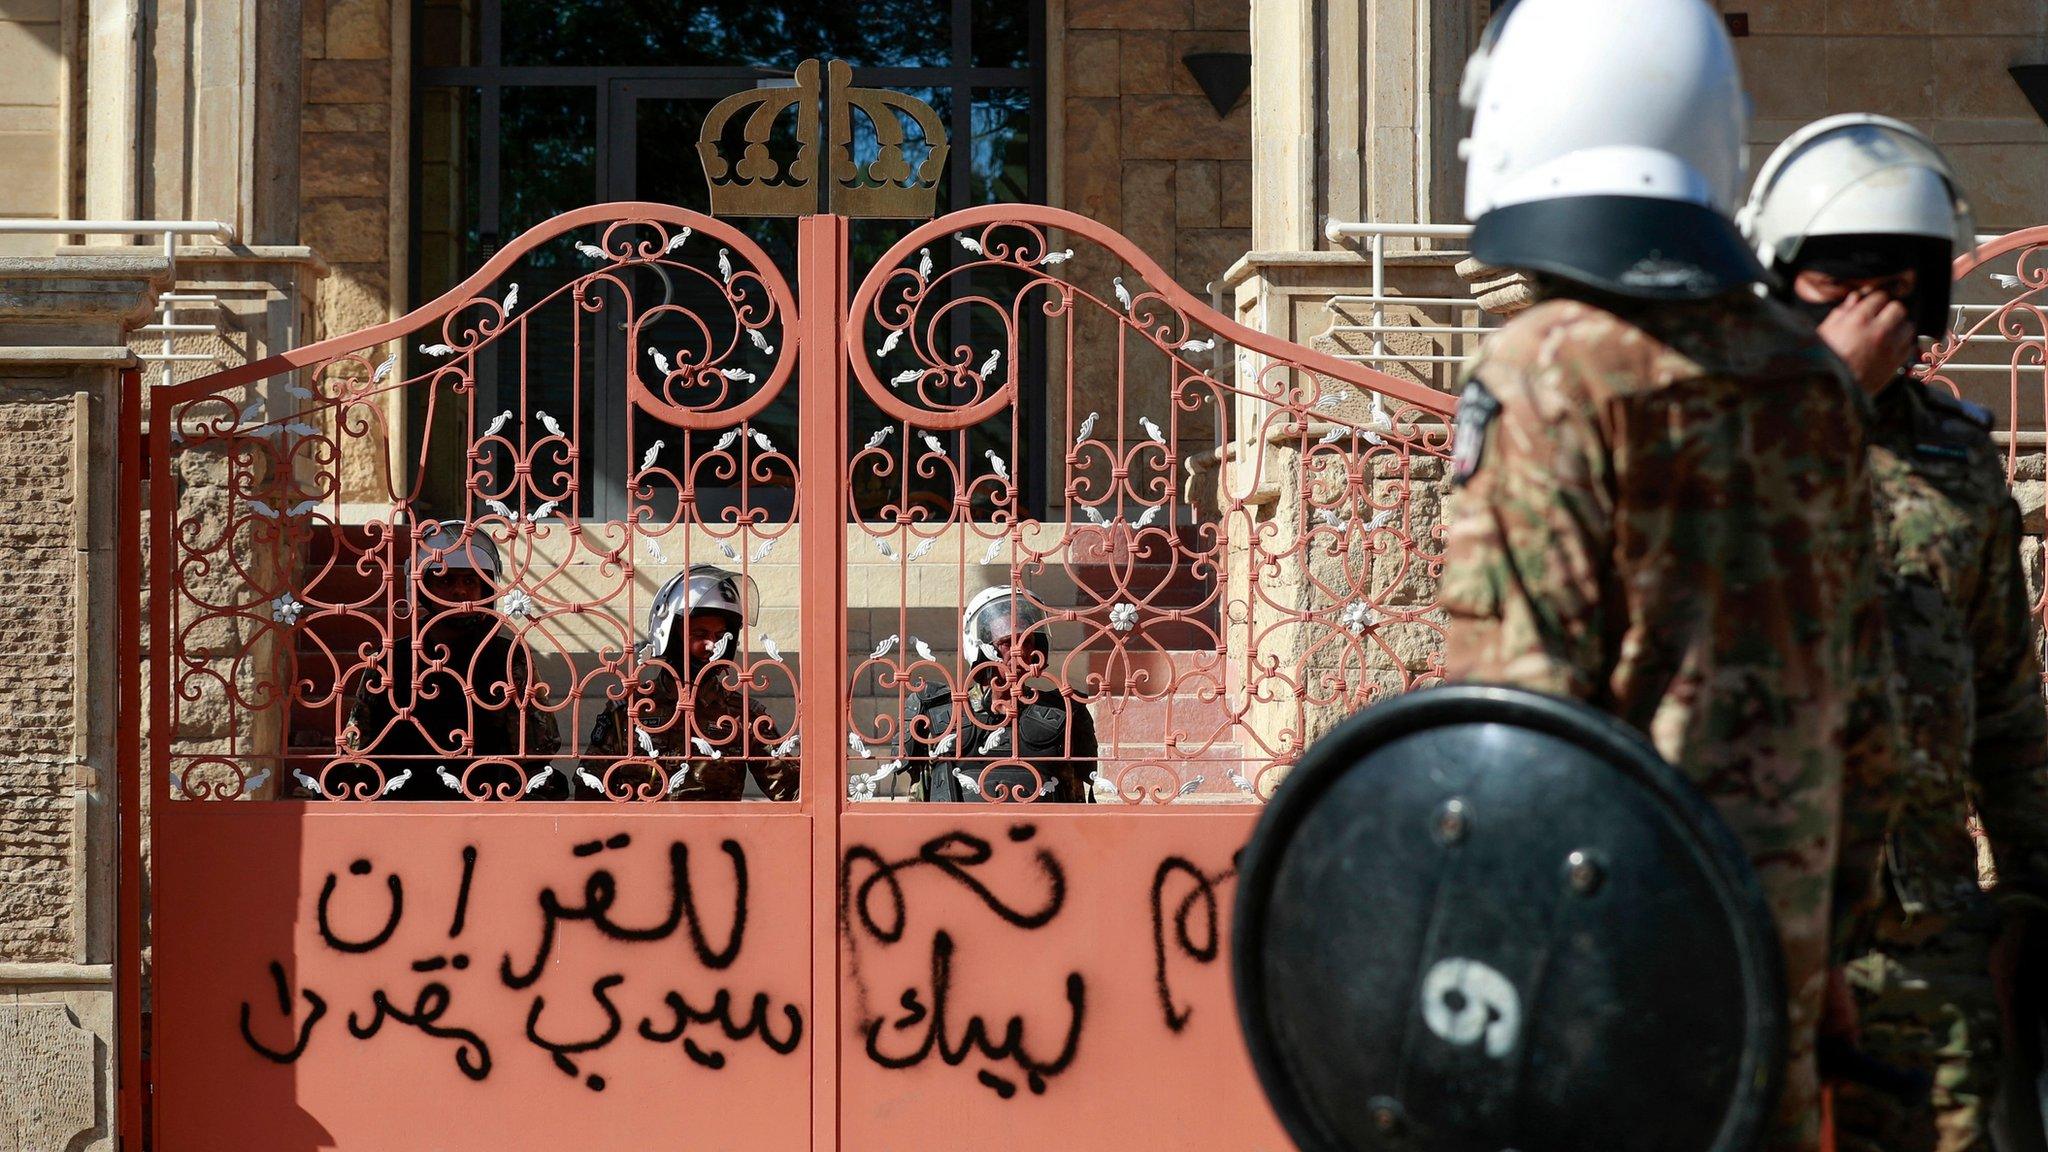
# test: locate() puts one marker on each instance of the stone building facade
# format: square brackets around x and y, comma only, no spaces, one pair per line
[291,123]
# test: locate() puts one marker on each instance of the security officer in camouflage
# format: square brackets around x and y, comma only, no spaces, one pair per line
[698,729]
[1664,510]
[1859,217]
[464,677]
[1015,740]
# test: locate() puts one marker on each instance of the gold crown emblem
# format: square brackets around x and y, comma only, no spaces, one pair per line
[885,187]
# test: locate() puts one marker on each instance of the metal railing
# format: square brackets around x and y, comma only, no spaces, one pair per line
[168,325]
[1374,236]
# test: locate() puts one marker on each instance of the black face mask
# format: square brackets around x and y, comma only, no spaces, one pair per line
[1814,313]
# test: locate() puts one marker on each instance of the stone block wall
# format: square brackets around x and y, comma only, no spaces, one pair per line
[1938,64]
[354,180]
[34,128]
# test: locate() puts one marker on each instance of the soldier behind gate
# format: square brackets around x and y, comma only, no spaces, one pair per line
[455,693]
[692,719]
[1009,736]
[1860,216]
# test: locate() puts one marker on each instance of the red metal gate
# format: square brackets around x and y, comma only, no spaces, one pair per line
[1233,538]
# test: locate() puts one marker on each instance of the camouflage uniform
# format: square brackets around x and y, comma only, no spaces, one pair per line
[478,696]
[1977,730]
[1665,514]
[705,752]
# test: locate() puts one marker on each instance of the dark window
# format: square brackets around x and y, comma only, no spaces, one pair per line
[527,108]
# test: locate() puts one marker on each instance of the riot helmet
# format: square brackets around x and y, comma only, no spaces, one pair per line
[698,590]
[1606,146]
[453,562]
[996,614]
[1861,197]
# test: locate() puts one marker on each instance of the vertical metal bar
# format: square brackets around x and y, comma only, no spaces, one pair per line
[128,763]
[822,464]
[1379,299]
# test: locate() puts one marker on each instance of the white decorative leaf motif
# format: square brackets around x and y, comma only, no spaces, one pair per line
[1151,429]
[498,506]
[988,366]
[889,343]
[1197,345]
[660,361]
[1093,513]
[884,648]
[548,422]
[1087,426]
[704,747]
[907,376]
[396,782]
[589,781]
[761,342]
[511,300]
[994,546]
[919,552]
[924,264]
[859,749]
[677,242]
[262,509]
[384,369]
[436,349]
[449,778]
[654,550]
[539,778]
[881,434]
[761,440]
[725,265]
[739,374]
[1332,400]
[766,546]
[1059,257]
[989,741]
[996,462]
[653,451]
[932,444]
[882,546]
[1191,785]
[971,244]
[786,747]
[924,650]
[305,781]
[968,784]
[2005,281]
[718,649]
[945,743]
[726,440]
[1123,294]
[591,250]
[497,422]
[730,552]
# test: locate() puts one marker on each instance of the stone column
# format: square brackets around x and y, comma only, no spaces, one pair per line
[63,325]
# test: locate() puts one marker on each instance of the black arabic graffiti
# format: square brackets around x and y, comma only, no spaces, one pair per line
[727,1015]
[876,908]
[1200,895]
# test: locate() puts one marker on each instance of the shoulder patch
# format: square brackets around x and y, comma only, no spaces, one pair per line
[1956,406]
[1476,409]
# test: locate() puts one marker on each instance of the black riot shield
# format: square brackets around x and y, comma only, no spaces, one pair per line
[1485,919]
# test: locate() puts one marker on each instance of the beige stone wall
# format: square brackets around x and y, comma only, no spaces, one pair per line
[353,178]
[35,44]
[1938,64]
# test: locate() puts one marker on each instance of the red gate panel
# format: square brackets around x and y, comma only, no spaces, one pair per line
[1233,541]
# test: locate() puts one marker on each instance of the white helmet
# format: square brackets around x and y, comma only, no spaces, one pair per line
[1878,184]
[701,588]
[1606,146]
[447,545]
[994,613]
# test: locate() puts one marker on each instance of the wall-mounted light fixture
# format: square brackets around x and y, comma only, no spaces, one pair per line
[1223,76]
[2033,82]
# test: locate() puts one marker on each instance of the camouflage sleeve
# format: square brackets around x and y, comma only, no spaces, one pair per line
[1870,764]
[2009,758]
[778,776]
[1530,539]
